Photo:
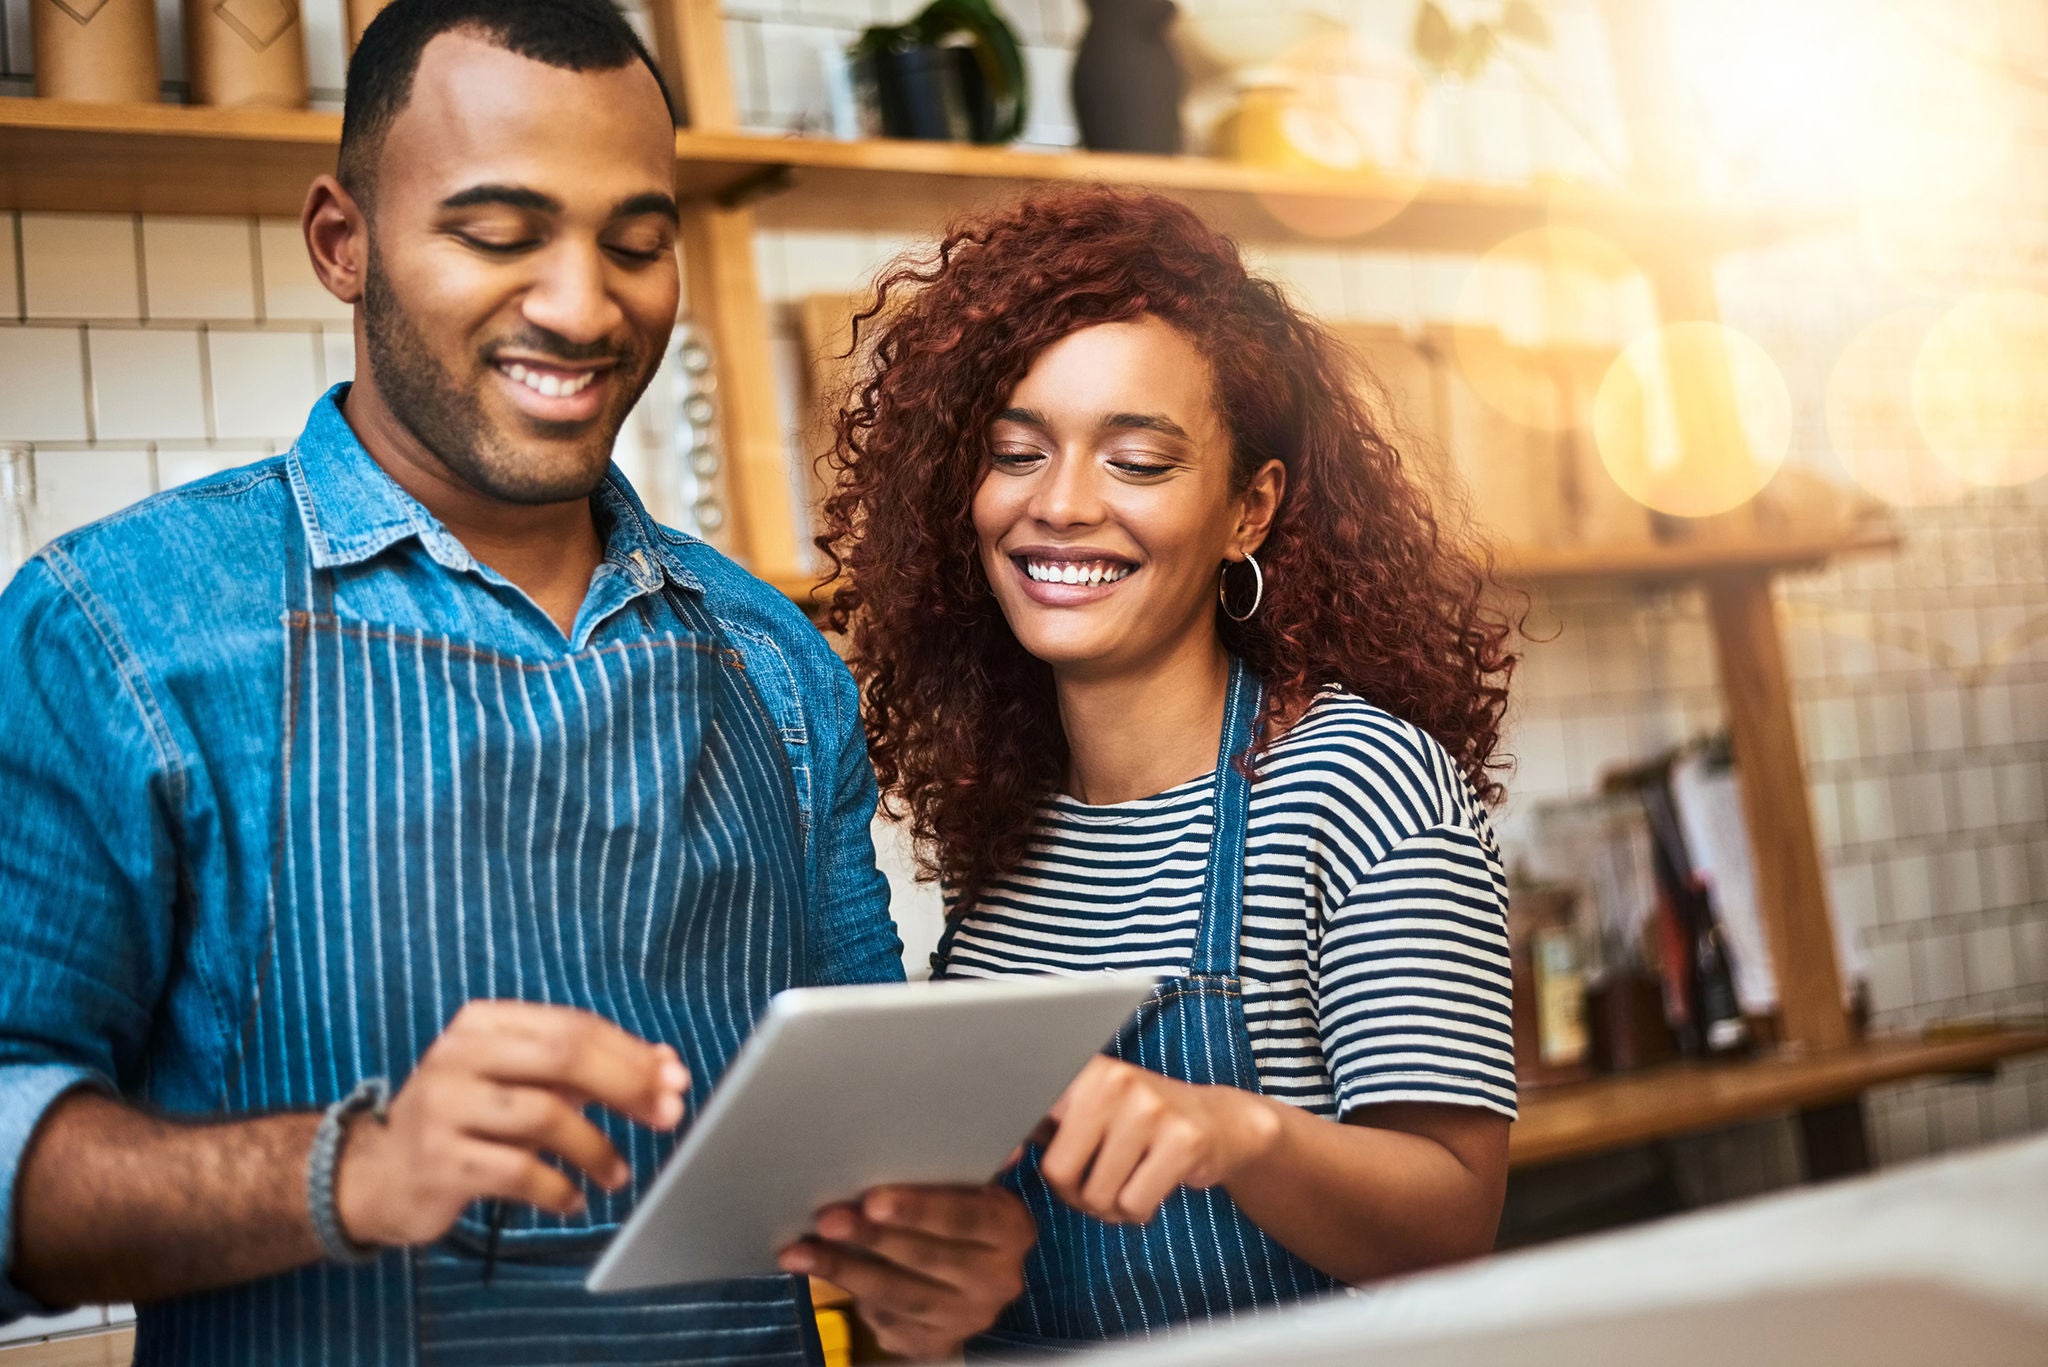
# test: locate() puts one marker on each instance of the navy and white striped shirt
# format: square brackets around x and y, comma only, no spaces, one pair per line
[1374,949]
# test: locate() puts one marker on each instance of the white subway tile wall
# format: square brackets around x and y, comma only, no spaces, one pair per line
[81,266]
[85,486]
[44,397]
[263,382]
[198,268]
[152,388]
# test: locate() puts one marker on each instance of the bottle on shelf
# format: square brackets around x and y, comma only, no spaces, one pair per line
[103,51]
[1547,948]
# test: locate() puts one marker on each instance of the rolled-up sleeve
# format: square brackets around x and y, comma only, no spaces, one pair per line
[87,871]
[855,939]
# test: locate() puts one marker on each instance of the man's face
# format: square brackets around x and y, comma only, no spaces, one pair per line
[522,276]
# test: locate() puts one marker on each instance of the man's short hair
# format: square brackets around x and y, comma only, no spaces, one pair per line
[575,35]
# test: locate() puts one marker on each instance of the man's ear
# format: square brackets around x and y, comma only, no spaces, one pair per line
[337,236]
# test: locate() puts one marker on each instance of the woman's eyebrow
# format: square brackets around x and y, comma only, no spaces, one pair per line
[1030,417]
[1147,422]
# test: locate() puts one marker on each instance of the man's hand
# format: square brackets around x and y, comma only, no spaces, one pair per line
[927,1267]
[1124,1138]
[505,1083]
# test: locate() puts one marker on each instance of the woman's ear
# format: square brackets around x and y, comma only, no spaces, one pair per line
[1257,505]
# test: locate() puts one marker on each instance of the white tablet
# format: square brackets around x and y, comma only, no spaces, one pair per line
[840,1089]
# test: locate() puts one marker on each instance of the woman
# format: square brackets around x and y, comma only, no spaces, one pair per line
[1171,669]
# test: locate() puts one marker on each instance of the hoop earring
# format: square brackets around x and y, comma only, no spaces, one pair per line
[1258,590]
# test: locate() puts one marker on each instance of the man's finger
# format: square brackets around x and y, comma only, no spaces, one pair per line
[989,1216]
[539,1118]
[958,1264]
[876,1286]
[574,1051]
[512,1174]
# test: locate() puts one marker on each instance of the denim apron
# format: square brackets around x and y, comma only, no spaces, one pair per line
[1199,1258]
[614,829]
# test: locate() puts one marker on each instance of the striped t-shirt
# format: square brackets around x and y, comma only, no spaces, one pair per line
[1374,949]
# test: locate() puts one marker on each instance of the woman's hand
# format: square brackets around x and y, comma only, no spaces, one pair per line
[1125,1137]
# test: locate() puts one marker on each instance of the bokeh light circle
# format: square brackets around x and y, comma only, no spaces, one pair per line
[1980,387]
[1573,275]
[1870,416]
[1693,419]
[1361,112]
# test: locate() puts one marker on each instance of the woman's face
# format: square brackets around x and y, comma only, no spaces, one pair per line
[1106,511]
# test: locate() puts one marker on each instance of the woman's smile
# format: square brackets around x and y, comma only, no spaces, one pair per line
[1070,577]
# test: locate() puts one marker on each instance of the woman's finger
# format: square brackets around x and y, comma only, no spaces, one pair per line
[1125,1141]
[1166,1166]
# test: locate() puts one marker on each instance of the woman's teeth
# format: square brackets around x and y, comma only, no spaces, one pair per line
[1071,572]
[550,386]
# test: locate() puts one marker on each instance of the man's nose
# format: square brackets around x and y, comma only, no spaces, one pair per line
[572,295]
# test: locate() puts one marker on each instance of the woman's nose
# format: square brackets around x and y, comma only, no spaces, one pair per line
[1066,493]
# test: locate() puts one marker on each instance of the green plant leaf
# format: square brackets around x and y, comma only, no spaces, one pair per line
[1436,41]
[1524,20]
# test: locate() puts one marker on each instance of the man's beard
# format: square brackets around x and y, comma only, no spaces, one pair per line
[450,420]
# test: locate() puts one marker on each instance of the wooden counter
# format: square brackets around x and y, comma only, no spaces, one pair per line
[1633,1108]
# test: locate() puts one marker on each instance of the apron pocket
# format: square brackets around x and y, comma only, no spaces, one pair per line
[532,1311]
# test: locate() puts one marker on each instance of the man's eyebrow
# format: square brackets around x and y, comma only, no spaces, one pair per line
[652,202]
[1147,422]
[510,196]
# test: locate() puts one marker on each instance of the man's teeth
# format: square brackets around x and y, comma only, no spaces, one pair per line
[1073,572]
[551,386]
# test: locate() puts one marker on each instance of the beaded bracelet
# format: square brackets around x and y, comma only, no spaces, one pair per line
[371,1095]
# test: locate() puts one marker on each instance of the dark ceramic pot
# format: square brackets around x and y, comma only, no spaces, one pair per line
[1127,81]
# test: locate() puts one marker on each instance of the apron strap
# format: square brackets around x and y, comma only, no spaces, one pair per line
[1223,889]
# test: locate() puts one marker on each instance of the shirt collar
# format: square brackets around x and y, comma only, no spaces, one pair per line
[353,510]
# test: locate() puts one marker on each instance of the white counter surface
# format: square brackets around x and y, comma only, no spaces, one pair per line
[1939,1263]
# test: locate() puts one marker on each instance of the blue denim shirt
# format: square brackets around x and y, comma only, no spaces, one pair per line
[140,751]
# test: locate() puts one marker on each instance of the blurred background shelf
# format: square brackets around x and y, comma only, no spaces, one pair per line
[1584,1118]
[885,185]
[59,155]
[1659,564]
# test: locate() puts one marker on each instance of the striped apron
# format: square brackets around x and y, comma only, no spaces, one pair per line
[1199,1258]
[613,829]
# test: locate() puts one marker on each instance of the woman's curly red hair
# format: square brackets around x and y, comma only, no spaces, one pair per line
[1363,588]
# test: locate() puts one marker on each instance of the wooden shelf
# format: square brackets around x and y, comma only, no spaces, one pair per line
[1672,564]
[1680,561]
[890,185]
[1634,1108]
[161,158]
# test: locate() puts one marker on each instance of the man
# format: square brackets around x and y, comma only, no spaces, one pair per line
[421,753]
